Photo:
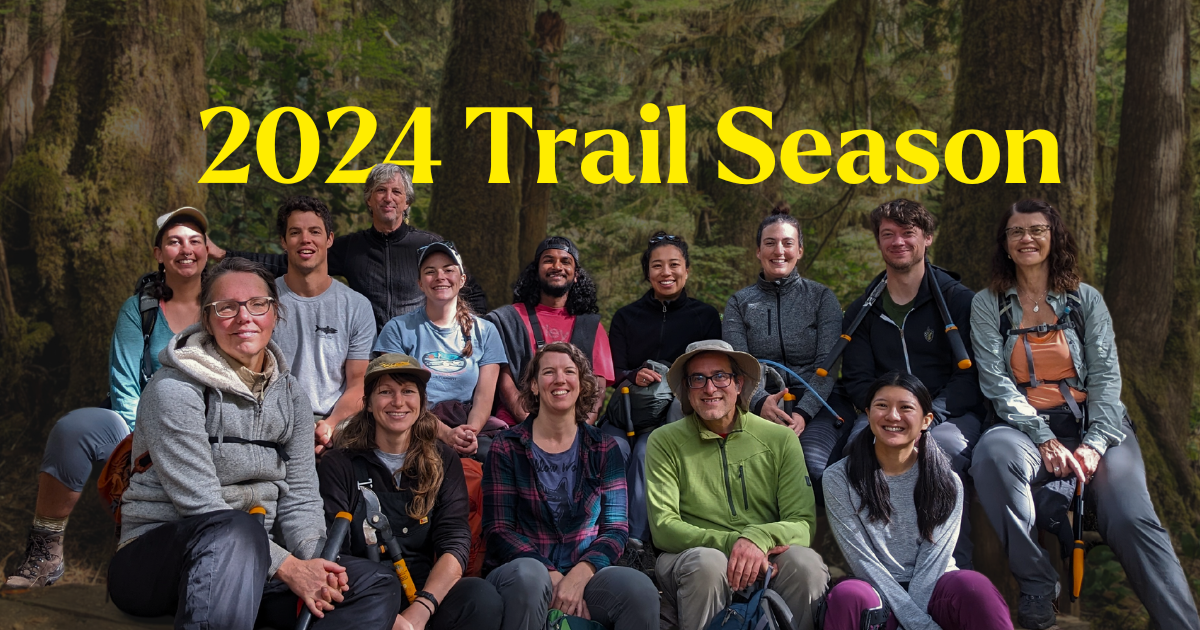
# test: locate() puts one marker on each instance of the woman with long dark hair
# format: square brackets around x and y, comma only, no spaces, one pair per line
[1047,360]
[894,505]
[167,301]
[461,350]
[646,338]
[554,507]
[393,445]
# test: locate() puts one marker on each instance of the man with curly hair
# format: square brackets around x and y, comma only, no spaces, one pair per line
[554,299]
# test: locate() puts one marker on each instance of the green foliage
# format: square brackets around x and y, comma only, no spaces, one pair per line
[1108,601]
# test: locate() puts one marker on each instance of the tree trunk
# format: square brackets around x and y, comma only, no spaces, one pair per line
[535,198]
[486,67]
[737,208]
[1025,64]
[118,144]
[16,85]
[298,15]
[1153,283]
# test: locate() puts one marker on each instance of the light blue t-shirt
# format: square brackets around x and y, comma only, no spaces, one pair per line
[125,357]
[439,351]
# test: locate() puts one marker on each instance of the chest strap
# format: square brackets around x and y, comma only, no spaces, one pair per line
[275,446]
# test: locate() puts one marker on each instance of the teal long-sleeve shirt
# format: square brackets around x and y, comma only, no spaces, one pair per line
[1094,354]
[125,357]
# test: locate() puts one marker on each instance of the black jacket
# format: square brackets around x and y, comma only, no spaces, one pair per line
[650,329]
[382,267]
[445,530]
[920,348]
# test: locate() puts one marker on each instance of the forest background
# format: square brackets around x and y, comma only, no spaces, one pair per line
[100,133]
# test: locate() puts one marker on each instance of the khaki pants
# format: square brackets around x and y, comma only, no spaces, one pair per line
[695,584]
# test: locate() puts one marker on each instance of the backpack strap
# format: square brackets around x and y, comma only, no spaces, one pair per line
[149,310]
[583,335]
[275,446]
[538,339]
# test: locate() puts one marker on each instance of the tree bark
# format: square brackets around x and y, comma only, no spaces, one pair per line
[1025,64]
[118,144]
[486,65]
[16,85]
[1153,282]
[549,30]
[298,15]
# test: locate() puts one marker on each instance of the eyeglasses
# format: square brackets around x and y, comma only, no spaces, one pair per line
[256,306]
[720,379]
[671,238]
[1036,231]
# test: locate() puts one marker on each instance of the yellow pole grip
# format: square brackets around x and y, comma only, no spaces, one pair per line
[406,581]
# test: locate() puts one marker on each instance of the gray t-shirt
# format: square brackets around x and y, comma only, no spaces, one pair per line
[556,473]
[440,351]
[886,555]
[393,461]
[319,334]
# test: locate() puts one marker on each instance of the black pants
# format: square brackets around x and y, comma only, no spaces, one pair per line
[210,571]
[471,604]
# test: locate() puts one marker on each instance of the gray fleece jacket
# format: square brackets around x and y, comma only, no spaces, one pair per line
[794,321]
[189,476]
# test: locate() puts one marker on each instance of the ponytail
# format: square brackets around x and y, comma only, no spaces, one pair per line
[466,321]
[935,494]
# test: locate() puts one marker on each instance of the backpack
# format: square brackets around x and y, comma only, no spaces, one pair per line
[1072,318]
[558,620]
[763,610]
[648,405]
[148,307]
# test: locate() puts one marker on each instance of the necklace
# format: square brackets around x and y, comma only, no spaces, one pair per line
[1036,301]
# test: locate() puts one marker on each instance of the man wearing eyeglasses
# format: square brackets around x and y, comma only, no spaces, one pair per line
[904,331]
[327,329]
[728,494]
[379,262]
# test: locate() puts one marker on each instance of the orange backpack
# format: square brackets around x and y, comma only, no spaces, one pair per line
[114,477]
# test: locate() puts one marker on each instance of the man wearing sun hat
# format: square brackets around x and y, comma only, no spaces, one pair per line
[727,493]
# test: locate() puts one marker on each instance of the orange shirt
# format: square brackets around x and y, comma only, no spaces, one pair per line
[1051,362]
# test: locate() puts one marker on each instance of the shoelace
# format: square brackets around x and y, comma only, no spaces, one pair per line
[37,553]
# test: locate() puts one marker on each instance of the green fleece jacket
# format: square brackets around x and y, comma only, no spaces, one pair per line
[703,490]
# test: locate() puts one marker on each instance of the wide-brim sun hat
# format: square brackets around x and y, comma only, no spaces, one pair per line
[396,363]
[186,211]
[748,365]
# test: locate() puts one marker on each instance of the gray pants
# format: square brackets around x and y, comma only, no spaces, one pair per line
[620,598]
[696,585]
[1006,469]
[79,440]
[957,436]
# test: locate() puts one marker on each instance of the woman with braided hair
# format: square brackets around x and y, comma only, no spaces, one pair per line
[462,351]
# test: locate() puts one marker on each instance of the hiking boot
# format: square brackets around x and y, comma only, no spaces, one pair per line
[1035,613]
[43,564]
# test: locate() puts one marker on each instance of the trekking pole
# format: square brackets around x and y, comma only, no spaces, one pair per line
[1077,552]
[789,402]
[844,339]
[259,512]
[952,333]
[628,412]
[337,534]
[810,388]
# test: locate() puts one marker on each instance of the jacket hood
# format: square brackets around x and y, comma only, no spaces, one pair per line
[194,352]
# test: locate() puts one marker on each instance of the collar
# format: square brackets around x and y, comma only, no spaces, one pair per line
[672,305]
[706,434]
[391,237]
[782,285]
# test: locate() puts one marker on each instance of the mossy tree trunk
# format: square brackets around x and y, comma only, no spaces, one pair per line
[1024,64]
[1153,283]
[486,67]
[549,31]
[119,143]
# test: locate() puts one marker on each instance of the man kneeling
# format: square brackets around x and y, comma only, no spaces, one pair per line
[224,427]
[727,493]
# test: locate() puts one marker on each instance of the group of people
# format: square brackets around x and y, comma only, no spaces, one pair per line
[487,484]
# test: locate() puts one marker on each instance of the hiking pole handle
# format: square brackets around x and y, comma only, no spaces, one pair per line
[333,545]
[832,357]
[803,382]
[625,400]
[961,358]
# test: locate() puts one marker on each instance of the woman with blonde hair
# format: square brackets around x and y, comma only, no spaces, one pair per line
[391,447]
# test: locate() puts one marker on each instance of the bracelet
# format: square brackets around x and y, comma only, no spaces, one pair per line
[424,604]
[428,596]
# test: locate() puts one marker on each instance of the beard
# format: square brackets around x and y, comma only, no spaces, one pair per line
[554,291]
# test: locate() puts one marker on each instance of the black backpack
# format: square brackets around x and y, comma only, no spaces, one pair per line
[148,307]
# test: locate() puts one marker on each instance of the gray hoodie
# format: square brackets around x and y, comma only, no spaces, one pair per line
[189,476]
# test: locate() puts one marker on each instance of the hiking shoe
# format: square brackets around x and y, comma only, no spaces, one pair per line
[43,564]
[1035,613]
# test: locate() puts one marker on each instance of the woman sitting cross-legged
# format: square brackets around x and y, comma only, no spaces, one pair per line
[554,507]
[392,444]
[894,505]
[223,428]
